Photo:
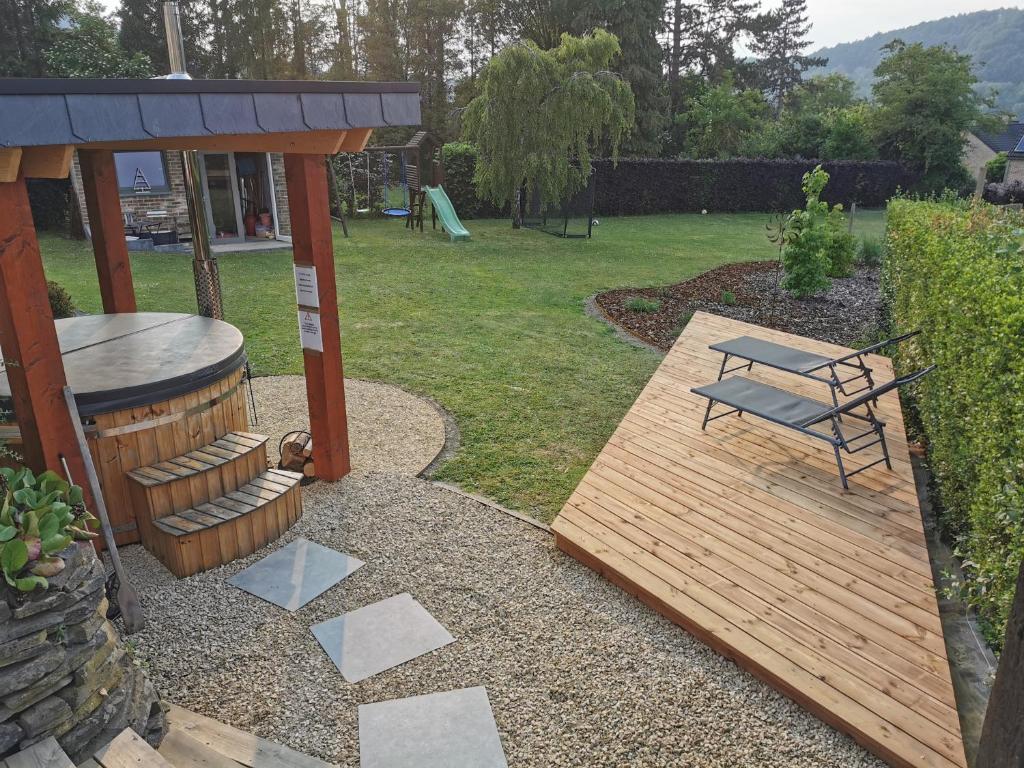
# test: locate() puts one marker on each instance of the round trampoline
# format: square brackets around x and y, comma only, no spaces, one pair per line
[149,386]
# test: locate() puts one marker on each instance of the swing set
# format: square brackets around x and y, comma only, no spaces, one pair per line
[419,164]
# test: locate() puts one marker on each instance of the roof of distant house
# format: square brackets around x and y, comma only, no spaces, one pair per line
[1019,151]
[39,111]
[1004,141]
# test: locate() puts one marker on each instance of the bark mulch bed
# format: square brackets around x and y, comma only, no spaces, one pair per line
[846,314]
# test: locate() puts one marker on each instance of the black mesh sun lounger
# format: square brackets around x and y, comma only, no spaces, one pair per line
[827,370]
[802,413]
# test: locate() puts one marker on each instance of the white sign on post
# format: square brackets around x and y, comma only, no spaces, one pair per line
[306,291]
[309,330]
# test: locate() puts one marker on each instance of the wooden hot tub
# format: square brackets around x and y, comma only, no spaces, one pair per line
[164,410]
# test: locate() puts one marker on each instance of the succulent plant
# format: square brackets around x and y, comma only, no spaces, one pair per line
[40,516]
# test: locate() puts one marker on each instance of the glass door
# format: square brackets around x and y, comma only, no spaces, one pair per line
[221,197]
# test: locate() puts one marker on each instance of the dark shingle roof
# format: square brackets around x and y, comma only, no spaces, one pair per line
[1004,141]
[36,112]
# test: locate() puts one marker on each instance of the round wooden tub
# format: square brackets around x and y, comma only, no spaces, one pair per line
[150,386]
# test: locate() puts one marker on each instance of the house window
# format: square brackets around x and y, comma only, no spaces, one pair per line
[141,173]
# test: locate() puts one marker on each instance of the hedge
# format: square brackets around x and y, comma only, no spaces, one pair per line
[635,187]
[1005,193]
[956,271]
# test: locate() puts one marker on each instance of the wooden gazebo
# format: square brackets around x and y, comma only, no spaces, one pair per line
[42,122]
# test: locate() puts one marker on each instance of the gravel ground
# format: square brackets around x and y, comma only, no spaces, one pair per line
[847,313]
[578,673]
[389,429]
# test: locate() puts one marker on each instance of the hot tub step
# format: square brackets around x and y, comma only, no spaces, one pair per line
[195,477]
[228,527]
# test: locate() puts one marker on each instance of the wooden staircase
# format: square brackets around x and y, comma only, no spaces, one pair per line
[192,741]
[213,504]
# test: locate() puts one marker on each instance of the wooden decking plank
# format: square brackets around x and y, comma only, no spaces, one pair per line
[820,532]
[182,751]
[46,754]
[823,598]
[129,750]
[757,525]
[824,701]
[858,652]
[744,535]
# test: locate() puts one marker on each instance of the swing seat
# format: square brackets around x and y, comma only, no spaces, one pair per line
[398,212]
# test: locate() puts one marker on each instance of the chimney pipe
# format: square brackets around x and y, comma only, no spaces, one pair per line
[204,266]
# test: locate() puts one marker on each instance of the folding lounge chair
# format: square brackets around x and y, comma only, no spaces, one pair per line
[803,413]
[828,370]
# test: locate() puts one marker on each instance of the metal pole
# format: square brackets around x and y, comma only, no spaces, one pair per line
[204,266]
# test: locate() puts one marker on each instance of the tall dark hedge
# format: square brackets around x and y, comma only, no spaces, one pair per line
[1005,193]
[50,200]
[635,187]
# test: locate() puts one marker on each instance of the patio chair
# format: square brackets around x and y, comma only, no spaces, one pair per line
[802,413]
[827,370]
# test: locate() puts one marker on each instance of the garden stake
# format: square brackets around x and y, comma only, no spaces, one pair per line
[127,597]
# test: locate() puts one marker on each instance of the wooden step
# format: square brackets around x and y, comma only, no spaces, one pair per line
[129,750]
[228,527]
[206,473]
[46,754]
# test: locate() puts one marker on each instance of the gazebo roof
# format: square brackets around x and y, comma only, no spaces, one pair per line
[37,112]
[193,114]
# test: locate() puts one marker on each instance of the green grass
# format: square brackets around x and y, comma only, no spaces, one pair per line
[493,329]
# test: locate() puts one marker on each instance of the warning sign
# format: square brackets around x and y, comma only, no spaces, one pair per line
[309,330]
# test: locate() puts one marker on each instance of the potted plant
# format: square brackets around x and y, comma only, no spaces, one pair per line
[42,519]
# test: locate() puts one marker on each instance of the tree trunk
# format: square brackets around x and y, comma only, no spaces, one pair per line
[1002,735]
[517,210]
[675,60]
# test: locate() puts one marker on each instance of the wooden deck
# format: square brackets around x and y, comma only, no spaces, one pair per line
[744,536]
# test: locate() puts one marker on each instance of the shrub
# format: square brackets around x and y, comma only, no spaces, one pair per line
[1005,194]
[60,300]
[459,167]
[870,253]
[995,169]
[728,298]
[956,271]
[640,304]
[821,246]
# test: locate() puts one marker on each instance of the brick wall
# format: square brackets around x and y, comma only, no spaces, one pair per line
[139,204]
[284,218]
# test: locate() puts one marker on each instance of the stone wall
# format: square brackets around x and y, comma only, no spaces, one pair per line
[1014,169]
[284,217]
[63,669]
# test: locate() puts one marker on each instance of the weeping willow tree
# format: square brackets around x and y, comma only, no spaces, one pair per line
[540,114]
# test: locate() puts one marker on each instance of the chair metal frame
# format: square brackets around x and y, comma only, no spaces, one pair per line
[840,441]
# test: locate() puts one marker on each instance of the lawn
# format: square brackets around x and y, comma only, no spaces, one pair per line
[492,329]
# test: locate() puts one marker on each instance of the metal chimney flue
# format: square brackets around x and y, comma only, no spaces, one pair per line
[204,266]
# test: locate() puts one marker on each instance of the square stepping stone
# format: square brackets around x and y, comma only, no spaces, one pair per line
[295,574]
[380,636]
[454,729]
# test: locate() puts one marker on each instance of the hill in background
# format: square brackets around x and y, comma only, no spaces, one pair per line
[994,39]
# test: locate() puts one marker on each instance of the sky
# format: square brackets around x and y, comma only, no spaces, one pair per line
[843,21]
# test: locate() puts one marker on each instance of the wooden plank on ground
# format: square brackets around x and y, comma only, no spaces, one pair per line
[129,750]
[182,751]
[743,535]
[45,754]
[242,747]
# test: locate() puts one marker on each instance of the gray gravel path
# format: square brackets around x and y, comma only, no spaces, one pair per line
[578,672]
[389,429]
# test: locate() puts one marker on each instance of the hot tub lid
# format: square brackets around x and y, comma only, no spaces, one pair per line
[126,360]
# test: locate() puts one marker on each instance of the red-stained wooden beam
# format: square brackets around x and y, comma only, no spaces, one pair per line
[312,245]
[28,339]
[103,201]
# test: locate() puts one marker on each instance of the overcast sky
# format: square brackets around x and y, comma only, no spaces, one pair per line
[841,21]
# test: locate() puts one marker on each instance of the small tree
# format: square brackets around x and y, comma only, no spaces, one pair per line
[821,247]
[540,114]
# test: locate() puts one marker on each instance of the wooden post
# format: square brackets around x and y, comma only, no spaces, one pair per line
[306,178]
[28,339]
[1002,735]
[103,201]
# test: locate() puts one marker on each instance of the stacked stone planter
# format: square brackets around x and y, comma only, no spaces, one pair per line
[63,670]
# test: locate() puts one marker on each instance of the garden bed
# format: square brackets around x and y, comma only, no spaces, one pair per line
[846,314]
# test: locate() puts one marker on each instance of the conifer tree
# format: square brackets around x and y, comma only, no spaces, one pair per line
[780,42]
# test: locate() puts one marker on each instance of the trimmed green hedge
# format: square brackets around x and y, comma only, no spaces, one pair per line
[956,270]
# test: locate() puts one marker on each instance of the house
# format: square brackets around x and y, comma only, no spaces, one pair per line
[982,146]
[237,187]
[1015,163]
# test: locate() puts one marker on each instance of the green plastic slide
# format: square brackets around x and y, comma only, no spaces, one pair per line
[446,213]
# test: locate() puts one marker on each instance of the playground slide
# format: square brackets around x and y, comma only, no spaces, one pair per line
[446,213]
